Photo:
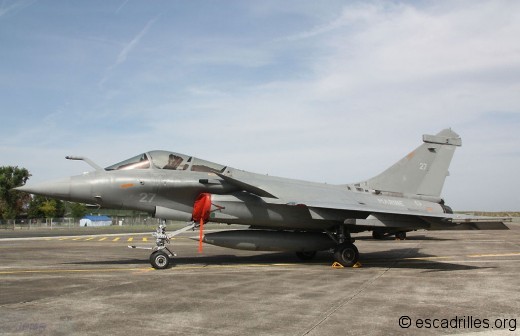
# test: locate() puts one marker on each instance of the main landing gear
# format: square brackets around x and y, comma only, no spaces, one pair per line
[345,253]
[399,235]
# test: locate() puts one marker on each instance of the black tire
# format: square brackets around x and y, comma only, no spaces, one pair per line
[378,235]
[346,254]
[400,235]
[306,256]
[159,260]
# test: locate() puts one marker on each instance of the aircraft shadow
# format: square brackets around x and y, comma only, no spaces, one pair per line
[109,262]
[411,259]
[404,258]
[392,238]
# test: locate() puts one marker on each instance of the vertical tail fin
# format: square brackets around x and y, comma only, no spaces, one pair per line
[423,171]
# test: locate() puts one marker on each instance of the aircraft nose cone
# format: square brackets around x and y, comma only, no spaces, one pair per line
[56,188]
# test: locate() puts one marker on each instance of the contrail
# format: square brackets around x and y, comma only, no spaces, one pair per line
[121,7]
[131,45]
[16,6]
[121,58]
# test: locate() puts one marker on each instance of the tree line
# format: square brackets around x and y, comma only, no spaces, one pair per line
[15,204]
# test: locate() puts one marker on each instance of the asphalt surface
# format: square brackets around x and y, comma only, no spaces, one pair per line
[444,282]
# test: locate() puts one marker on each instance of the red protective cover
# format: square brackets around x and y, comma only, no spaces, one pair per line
[202,207]
[201,210]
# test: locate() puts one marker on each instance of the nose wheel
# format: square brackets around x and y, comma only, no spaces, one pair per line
[160,260]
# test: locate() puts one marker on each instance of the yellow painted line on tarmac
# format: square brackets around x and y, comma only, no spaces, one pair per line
[493,255]
[83,238]
[514,254]
[428,258]
[74,270]
[174,268]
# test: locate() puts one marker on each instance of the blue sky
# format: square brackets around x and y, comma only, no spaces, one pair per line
[334,91]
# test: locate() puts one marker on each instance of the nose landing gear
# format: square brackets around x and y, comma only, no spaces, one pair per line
[161,256]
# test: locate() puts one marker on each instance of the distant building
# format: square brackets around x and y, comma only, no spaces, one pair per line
[95,221]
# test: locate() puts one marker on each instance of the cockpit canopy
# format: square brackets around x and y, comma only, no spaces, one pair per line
[167,160]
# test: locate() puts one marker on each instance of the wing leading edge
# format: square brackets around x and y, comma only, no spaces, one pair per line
[246,186]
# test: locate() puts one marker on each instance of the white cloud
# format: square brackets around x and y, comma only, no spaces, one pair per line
[337,101]
[384,77]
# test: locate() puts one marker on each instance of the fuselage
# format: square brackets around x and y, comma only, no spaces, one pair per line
[171,193]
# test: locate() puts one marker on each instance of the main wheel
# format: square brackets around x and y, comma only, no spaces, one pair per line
[306,256]
[159,260]
[346,254]
[376,234]
[401,235]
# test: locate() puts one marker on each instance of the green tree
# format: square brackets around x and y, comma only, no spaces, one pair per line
[49,208]
[38,203]
[13,202]
[77,210]
[34,210]
[60,209]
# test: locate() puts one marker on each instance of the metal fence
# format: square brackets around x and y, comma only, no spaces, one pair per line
[72,222]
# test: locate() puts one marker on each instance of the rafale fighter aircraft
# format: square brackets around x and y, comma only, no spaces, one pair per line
[282,214]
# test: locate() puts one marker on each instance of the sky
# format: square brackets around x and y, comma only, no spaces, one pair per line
[329,91]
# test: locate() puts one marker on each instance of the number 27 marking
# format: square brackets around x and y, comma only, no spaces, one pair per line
[423,166]
[146,198]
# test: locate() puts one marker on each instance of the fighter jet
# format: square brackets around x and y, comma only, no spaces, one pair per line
[282,214]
